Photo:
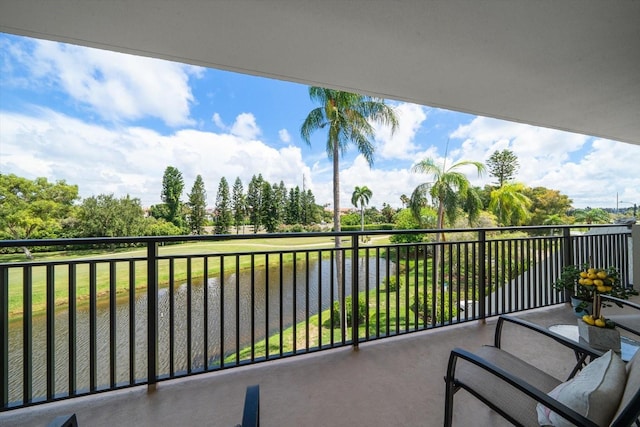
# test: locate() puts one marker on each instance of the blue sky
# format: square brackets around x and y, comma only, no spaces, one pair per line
[111,123]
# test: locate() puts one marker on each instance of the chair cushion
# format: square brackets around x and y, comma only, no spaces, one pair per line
[633,383]
[490,388]
[595,392]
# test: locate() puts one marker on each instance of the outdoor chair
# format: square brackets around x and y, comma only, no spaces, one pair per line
[520,392]
[251,411]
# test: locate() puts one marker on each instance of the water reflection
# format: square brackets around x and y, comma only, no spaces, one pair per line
[247,308]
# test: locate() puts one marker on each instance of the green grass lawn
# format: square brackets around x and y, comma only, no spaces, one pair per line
[121,283]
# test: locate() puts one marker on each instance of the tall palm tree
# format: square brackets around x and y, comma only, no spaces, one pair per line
[450,190]
[347,117]
[510,204]
[360,198]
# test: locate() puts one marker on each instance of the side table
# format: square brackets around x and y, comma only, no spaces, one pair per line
[628,347]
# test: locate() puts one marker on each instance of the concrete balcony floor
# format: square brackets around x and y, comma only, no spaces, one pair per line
[390,382]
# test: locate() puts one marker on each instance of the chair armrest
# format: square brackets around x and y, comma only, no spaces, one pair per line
[518,383]
[567,342]
[617,319]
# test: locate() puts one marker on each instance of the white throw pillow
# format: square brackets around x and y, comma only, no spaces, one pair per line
[594,392]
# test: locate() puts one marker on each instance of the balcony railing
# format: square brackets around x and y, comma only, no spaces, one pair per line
[158,311]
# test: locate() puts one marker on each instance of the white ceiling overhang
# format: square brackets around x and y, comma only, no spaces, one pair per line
[570,65]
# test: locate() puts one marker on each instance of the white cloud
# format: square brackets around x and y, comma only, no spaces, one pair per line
[284,135]
[132,160]
[401,144]
[217,120]
[245,126]
[589,171]
[118,87]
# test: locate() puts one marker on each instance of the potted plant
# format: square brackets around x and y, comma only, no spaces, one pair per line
[581,297]
[584,284]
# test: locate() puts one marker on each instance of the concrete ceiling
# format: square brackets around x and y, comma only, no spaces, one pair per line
[572,64]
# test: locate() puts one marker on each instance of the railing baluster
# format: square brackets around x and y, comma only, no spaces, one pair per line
[319,279]
[189,320]
[4,335]
[93,335]
[281,303]
[172,318]
[482,274]
[112,324]
[152,313]
[205,311]
[294,301]
[51,332]
[306,301]
[132,322]
[73,322]
[355,249]
[252,321]
[27,335]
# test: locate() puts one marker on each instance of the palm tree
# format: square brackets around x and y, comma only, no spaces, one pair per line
[360,198]
[509,204]
[592,216]
[347,118]
[450,190]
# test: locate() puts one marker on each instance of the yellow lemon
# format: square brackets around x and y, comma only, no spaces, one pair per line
[608,288]
[588,319]
[602,289]
[588,282]
[601,323]
[591,270]
[598,282]
[602,274]
[583,274]
[592,276]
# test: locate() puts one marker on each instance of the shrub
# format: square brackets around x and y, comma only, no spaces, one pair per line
[362,307]
[394,284]
[424,309]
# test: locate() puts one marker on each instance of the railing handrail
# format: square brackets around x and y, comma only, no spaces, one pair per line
[214,237]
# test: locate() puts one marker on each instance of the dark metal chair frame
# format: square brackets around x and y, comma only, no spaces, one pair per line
[627,417]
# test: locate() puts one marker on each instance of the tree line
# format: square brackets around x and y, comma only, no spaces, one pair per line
[264,206]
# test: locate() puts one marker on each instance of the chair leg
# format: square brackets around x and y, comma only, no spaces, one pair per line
[448,404]
[450,390]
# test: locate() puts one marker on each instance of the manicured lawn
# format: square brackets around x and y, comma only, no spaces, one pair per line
[137,258]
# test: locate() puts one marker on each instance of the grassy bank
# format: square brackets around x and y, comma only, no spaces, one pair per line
[137,258]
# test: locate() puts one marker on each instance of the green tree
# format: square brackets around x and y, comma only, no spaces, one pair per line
[547,203]
[360,198]
[197,206]
[510,204]
[293,206]
[269,207]
[503,165]
[107,216]
[592,216]
[223,208]
[348,119]
[387,212]
[450,190]
[238,204]
[254,201]
[33,209]
[405,219]
[172,187]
